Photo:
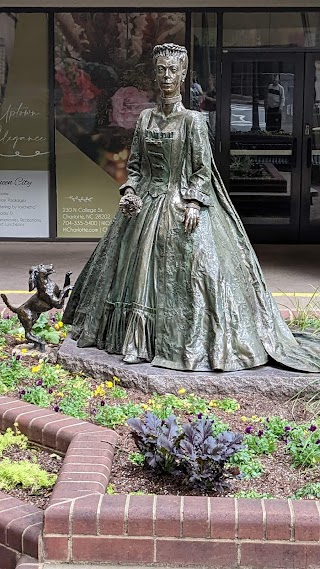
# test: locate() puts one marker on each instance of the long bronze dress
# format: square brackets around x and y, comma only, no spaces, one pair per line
[182,301]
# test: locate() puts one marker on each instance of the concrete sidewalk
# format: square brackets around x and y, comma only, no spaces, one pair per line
[287,268]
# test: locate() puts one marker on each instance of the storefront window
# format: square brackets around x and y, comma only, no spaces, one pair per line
[24,145]
[103,80]
[254,29]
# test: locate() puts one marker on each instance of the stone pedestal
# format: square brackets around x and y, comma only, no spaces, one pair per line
[270,381]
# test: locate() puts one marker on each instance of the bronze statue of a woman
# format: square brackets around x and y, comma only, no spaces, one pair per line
[178,284]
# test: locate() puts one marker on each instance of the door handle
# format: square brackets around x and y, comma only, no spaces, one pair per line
[294,153]
[309,152]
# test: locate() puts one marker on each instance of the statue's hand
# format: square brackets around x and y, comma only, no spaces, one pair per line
[130,204]
[191,216]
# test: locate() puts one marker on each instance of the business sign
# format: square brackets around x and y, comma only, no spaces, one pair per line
[24,203]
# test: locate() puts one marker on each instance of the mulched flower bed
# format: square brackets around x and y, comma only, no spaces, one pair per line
[49,461]
[280,479]
[34,378]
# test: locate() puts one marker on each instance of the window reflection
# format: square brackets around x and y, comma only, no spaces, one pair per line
[203,67]
[290,29]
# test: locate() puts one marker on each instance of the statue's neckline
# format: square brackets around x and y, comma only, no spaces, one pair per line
[178,106]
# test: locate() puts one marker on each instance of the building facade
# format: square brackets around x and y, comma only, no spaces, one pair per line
[74,79]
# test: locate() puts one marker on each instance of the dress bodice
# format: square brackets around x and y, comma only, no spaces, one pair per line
[158,146]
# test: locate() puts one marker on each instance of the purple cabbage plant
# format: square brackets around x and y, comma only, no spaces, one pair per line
[189,450]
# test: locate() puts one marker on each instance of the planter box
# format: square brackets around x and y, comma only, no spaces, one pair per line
[84,525]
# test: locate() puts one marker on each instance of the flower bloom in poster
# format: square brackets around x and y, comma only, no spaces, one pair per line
[127,104]
[79,94]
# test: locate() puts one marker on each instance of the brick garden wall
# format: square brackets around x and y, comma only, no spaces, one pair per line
[83,524]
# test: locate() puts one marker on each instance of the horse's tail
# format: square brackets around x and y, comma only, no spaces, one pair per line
[6,301]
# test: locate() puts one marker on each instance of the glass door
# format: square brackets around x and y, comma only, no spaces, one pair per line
[261,141]
[310,162]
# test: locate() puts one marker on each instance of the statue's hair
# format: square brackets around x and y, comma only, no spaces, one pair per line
[171,50]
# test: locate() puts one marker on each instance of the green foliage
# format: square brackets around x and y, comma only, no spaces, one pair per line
[309,491]
[43,329]
[136,458]
[8,324]
[276,426]
[11,371]
[111,416]
[75,400]
[249,465]
[264,444]
[117,392]
[303,444]
[74,405]
[12,438]
[24,473]
[228,405]
[165,405]
[110,490]
[51,375]
[38,396]
[252,494]
[218,426]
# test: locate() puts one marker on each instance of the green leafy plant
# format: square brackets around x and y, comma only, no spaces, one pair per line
[74,405]
[136,458]
[309,491]
[303,444]
[228,405]
[8,324]
[110,490]
[261,443]
[277,426]
[12,438]
[43,329]
[111,416]
[38,396]
[248,464]
[252,494]
[11,371]
[50,375]
[24,473]
[165,405]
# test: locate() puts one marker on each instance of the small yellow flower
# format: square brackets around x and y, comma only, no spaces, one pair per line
[35,369]
[109,384]
[181,391]
[243,418]
[58,366]
[151,401]
[213,403]
[63,334]
[115,378]
[60,324]
[254,417]
[24,351]
[57,327]
[33,355]
[60,394]
[145,406]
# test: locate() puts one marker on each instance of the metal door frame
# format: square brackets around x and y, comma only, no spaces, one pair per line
[309,233]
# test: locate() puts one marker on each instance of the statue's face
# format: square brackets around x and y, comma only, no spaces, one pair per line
[169,75]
